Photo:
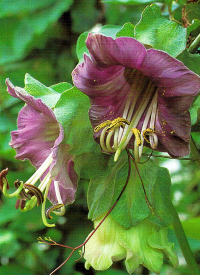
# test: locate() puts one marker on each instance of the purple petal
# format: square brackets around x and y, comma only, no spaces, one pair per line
[67,195]
[173,125]
[38,135]
[125,51]
[170,75]
[37,104]
[67,178]
[35,136]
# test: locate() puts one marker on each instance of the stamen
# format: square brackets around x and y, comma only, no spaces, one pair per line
[29,204]
[116,138]
[48,183]
[102,138]
[102,125]
[35,191]
[108,139]
[146,133]
[59,199]
[139,82]
[44,182]
[153,140]
[110,126]
[137,143]
[117,123]
[33,195]
[52,208]
[154,109]
[14,194]
[37,175]
[3,179]
[144,126]
[135,120]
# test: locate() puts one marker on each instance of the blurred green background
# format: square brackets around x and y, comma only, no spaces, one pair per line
[39,37]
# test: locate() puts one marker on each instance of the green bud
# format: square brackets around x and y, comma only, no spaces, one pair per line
[145,244]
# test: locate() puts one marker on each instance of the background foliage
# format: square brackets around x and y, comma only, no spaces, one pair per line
[39,38]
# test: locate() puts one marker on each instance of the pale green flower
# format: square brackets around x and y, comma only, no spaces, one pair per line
[146,244]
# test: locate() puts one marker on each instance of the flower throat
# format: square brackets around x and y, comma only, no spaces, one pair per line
[140,104]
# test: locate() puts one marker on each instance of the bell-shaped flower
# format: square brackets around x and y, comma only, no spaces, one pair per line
[39,139]
[138,96]
[145,244]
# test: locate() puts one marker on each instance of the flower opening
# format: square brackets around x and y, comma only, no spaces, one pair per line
[131,87]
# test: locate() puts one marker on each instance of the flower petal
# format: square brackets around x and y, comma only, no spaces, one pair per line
[173,125]
[37,104]
[123,51]
[39,134]
[169,74]
[35,136]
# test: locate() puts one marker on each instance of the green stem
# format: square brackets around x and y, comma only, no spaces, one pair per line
[185,248]
[195,44]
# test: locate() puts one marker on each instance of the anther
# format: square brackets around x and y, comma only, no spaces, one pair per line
[3,179]
[102,125]
[52,208]
[116,123]
[137,134]
[146,133]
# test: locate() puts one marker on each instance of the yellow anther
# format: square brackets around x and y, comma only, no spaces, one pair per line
[116,123]
[137,134]
[102,125]
[111,125]
[146,133]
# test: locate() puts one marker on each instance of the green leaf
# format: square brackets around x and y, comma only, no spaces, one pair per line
[191,61]
[61,87]
[135,205]
[136,202]
[126,30]
[155,30]
[91,165]
[109,30]
[72,112]
[48,95]
[102,189]
[81,46]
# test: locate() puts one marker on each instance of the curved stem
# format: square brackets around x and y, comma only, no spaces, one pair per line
[185,248]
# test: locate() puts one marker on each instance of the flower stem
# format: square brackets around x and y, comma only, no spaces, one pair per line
[185,248]
[195,44]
